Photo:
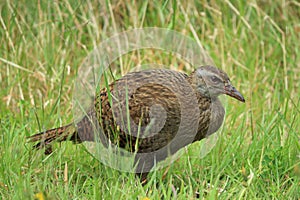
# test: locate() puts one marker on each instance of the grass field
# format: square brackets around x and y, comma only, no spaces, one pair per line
[257,43]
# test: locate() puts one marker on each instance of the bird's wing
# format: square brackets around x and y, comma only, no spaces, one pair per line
[147,105]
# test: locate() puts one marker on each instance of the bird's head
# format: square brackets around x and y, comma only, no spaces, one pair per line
[212,82]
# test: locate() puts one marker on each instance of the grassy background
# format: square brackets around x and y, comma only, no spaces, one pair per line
[255,42]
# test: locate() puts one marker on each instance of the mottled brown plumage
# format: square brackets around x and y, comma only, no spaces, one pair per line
[154,111]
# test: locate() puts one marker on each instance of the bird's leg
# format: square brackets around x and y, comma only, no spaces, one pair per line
[142,177]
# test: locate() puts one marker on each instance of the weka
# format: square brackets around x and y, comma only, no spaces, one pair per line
[153,113]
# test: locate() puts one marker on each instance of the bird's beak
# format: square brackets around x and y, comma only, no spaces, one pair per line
[231,91]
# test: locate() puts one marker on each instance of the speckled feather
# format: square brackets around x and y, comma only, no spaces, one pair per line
[147,93]
[152,98]
[139,103]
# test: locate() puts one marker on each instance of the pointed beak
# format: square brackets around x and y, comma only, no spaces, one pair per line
[231,91]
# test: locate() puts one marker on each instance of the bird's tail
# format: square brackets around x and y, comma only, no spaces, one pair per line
[60,134]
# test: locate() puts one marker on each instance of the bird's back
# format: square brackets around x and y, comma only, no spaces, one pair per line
[151,109]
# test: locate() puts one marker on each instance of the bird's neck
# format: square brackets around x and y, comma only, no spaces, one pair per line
[202,93]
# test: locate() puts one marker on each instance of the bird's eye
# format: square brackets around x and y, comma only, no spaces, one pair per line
[215,79]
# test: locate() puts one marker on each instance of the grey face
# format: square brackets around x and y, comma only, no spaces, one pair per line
[213,82]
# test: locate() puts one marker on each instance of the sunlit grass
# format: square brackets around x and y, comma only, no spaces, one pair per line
[257,44]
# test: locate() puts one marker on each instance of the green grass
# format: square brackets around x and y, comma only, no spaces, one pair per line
[258,154]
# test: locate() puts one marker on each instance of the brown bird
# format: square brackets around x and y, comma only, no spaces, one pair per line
[153,113]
